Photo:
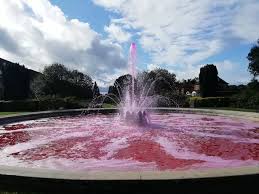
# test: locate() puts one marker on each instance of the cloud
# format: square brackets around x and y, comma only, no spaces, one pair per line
[187,71]
[226,65]
[37,33]
[178,35]
[232,72]
[245,24]
[186,33]
[114,4]
[7,42]
[170,29]
[116,33]
[151,67]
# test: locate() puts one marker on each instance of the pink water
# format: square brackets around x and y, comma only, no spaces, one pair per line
[174,141]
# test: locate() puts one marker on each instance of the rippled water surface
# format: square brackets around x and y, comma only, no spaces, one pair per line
[173,141]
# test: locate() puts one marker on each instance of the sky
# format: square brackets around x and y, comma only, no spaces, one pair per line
[93,36]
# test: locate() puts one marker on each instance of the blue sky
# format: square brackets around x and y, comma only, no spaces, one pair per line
[94,36]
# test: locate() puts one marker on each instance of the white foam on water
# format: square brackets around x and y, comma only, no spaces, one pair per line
[176,151]
[115,146]
[110,128]
[79,164]
[34,143]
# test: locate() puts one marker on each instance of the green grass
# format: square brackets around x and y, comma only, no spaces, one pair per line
[106,105]
[3,192]
[233,109]
[8,113]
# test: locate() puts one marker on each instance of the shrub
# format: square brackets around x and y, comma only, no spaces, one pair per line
[246,100]
[248,97]
[19,105]
[209,102]
[40,104]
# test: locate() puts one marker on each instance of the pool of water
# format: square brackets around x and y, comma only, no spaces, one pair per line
[103,142]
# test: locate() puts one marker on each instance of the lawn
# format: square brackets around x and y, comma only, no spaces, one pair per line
[8,113]
[3,192]
[106,105]
[233,109]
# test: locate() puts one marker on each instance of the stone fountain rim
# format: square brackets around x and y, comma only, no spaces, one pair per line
[131,175]
[128,175]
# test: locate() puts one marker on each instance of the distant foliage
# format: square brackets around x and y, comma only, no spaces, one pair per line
[57,81]
[253,57]
[247,97]
[96,91]
[208,78]
[120,84]
[209,102]
[16,80]
[45,103]
[160,80]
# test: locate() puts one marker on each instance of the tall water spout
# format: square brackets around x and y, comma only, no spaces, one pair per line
[132,70]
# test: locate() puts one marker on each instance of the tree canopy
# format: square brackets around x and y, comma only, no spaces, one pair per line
[57,80]
[16,80]
[120,84]
[96,91]
[208,78]
[161,81]
[253,57]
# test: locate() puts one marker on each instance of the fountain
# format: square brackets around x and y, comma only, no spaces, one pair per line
[87,144]
[131,109]
[107,141]
[132,106]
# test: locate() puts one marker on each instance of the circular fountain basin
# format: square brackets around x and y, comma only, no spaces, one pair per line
[178,144]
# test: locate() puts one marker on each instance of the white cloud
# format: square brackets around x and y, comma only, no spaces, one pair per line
[185,33]
[151,67]
[110,4]
[170,28]
[36,33]
[232,72]
[225,65]
[246,22]
[116,33]
[187,71]
[176,34]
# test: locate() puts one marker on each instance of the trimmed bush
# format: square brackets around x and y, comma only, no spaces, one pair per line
[209,102]
[40,105]
[19,105]
[249,101]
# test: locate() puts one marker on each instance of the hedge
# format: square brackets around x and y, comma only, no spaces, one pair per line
[209,102]
[39,105]
[246,101]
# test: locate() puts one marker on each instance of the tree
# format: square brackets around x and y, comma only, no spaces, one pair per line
[96,91]
[248,96]
[161,81]
[253,57]
[156,82]
[208,78]
[38,86]
[57,80]
[16,80]
[111,89]
[120,85]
